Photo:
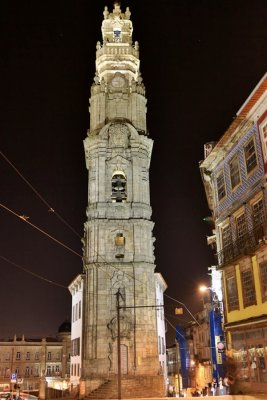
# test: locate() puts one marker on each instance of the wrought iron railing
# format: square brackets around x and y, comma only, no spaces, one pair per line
[244,245]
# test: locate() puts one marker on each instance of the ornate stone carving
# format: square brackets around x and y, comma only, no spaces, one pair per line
[126,326]
[118,135]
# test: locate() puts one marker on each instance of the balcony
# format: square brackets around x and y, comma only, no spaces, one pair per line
[245,245]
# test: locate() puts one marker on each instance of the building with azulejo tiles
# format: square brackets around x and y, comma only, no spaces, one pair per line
[234,174]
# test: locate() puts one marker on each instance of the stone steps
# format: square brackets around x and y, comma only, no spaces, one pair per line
[131,387]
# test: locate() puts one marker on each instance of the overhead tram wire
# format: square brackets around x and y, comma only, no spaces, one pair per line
[32,273]
[23,218]
[50,208]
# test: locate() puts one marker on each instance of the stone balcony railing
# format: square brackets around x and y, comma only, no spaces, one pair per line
[120,50]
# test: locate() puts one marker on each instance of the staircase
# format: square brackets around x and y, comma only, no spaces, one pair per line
[131,387]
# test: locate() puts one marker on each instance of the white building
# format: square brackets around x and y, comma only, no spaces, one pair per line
[76,289]
[161,286]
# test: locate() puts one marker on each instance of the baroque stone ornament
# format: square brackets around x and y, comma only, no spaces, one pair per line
[118,135]
[125,326]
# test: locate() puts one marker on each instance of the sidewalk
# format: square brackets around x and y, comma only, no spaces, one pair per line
[224,397]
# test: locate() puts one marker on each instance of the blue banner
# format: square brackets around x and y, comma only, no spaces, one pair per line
[184,356]
[217,343]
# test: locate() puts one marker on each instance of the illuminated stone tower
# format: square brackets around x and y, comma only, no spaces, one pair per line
[118,241]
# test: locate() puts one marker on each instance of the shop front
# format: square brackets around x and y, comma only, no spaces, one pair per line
[249,351]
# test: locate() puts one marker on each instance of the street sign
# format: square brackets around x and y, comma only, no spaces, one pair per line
[13,378]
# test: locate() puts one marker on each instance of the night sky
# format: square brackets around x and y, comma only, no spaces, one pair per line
[199,60]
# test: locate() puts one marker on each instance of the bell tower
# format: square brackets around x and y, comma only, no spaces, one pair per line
[118,239]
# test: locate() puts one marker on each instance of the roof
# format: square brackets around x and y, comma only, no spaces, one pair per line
[241,118]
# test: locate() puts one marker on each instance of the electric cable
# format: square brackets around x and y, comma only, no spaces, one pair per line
[32,273]
[25,219]
[50,208]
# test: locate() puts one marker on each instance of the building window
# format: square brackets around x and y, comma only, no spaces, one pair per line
[234,172]
[17,370]
[36,356]
[258,212]
[226,236]
[159,345]
[250,155]
[220,186]
[49,355]
[57,370]
[263,280]
[75,343]
[76,311]
[27,371]
[48,370]
[118,187]
[27,355]
[264,139]
[18,355]
[80,307]
[249,296]
[232,295]
[241,229]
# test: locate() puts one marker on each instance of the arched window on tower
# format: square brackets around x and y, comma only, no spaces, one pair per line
[118,185]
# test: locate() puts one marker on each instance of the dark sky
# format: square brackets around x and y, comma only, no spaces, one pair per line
[199,59]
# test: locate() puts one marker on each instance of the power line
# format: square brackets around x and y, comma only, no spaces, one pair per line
[32,273]
[50,208]
[25,219]
[187,309]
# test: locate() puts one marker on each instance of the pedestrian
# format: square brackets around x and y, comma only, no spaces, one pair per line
[214,387]
[221,386]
